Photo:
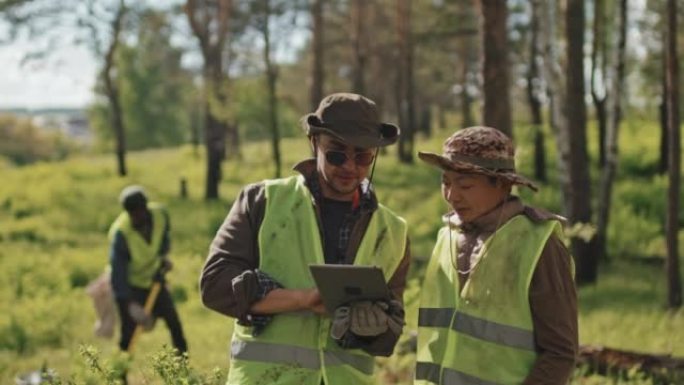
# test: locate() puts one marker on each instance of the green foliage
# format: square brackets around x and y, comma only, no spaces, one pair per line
[110,372]
[78,277]
[54,220]
[179,294]
[249,108]
[157,94]
[14,337]
[22,143]
[175,369]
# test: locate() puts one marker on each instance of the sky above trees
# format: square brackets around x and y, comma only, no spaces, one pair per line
[64,79]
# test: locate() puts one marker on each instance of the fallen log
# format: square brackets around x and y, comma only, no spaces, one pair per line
[606,361]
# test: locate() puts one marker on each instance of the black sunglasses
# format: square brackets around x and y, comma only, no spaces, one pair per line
[338,158]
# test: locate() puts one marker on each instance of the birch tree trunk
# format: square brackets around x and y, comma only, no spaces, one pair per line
[612,130]
[599,50]
[533,93]
[553,74]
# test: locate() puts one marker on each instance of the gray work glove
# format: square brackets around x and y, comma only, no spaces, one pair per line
[368,318]
[340,322]
[137,312]
[395,315]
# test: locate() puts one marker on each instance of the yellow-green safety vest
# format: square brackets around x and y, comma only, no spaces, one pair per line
[145,258]
[482,335]
[296,348]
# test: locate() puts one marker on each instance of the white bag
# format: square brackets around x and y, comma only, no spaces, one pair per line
[100,290]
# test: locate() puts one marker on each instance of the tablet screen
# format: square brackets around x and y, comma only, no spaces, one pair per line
[343,284]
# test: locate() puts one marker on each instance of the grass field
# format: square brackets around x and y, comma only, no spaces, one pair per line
[54,219]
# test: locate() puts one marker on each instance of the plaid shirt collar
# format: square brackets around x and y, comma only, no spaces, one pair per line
[366,205]
[368,202]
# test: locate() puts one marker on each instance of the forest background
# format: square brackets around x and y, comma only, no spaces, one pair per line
[195,99]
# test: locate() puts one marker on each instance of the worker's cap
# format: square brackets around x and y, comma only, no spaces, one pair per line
[352,118]
[133,197]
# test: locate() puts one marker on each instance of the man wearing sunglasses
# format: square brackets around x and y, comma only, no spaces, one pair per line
[257,268]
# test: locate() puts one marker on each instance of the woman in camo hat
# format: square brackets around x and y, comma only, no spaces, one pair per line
[498,302]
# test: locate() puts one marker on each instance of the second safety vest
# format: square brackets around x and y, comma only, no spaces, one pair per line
[482,334]
[296,348]
[145,259]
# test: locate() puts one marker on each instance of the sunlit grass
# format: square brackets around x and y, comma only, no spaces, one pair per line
[54,219]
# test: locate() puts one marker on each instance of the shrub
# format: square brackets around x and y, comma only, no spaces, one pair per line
[22,143]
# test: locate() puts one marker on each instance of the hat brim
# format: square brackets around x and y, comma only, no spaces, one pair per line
[447,164]
[387,133]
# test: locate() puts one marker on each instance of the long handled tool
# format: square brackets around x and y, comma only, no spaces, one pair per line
[149,305]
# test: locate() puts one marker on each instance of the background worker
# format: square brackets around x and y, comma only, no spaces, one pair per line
[498,302]
[257,268]
[138,256]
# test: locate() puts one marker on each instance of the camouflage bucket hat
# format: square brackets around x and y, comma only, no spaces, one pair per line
[480,150]
[351,118]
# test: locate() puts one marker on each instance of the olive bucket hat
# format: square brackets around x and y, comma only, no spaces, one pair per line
[479,150]
[351,118]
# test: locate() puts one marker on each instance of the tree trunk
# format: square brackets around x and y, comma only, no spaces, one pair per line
[317,72]
[599,51]
[662,164]
[613,129]
[533,91]
[425,125]
[580,192]
[197,123]
[214,137]
[271,79]
[210,26]
[406,108]
[674,286]
[553,74]
[217,128]
[441,117]
[112,89]
[358,38]
[466,99]
[497,105]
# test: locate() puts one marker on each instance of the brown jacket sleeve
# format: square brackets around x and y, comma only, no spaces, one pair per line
[553,300]
[227,282]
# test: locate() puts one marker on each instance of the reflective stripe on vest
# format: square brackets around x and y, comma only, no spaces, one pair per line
[289,240]
[299,356]
[494,332]
[489,319]
[428,371]
[435,317]
[477,327]
[454,377]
